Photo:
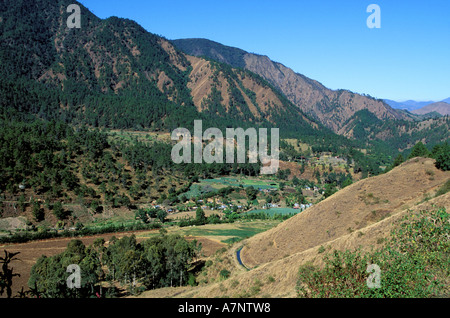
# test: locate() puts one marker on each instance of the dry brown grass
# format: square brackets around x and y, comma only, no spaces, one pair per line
[353,208]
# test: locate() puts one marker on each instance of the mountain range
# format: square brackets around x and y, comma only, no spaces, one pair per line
[355,116]
[441,108]
[331,108]
[112,73]
[411,105]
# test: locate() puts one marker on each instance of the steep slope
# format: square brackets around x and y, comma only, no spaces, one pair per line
[351,209]
[358,117]
[331,108]
[397,134]
[107,73]
[221,92]
[439,107]
[113,73]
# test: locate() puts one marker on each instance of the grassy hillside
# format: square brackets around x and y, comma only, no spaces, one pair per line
[351,209]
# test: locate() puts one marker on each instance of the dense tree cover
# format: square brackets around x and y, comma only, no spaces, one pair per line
[157,157]
[48,277]
[389,137]
[46,159]
[109,85]
[419,150]
[55,162]
[32,153]
[398,160]
[89,78]
[161,261]
[440,152]
[360,121]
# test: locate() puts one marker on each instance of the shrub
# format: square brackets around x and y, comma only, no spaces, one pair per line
[38,212]
[419,150]
[224,273]
[442,156]
[444,189]
[414,263]
[59,211]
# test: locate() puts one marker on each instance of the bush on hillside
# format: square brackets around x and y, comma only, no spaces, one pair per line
[414,263]
[419,150]
[442,155]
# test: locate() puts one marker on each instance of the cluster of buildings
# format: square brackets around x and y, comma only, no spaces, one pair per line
[200,203]
[302,206]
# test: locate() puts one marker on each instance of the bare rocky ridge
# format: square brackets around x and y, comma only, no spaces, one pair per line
[333,108]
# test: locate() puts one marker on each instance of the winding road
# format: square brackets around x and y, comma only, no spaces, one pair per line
[238,255]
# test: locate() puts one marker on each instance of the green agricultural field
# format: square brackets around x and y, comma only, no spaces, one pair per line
[196,190]
[245,182]
[273,211]
[208,185]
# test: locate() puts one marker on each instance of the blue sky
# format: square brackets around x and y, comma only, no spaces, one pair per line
[326,40]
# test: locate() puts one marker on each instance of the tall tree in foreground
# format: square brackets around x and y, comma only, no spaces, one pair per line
[7,274]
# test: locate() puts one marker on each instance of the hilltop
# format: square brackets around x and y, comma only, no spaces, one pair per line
[439,107]
[351,209]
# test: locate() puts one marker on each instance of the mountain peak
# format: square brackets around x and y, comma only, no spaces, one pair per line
[442,108]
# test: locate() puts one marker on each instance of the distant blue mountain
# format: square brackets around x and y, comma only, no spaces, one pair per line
[410,105]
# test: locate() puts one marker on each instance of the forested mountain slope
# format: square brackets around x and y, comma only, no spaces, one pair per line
[112,73]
